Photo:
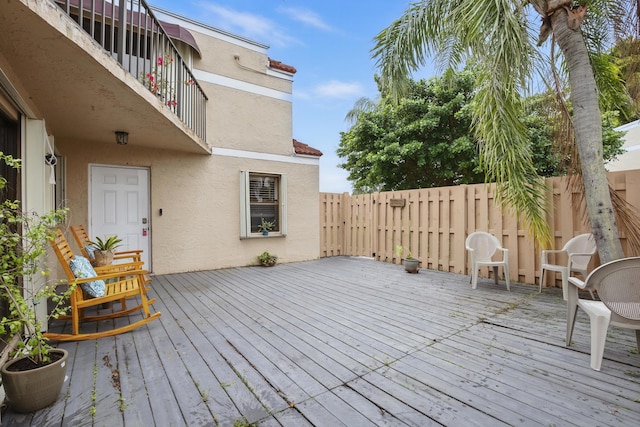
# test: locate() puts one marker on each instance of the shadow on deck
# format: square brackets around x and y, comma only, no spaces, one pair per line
[346,342]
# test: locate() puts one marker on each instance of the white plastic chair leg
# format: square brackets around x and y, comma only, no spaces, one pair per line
[599,318]
[565,284]
[541,280]
[599,326]
[506,275]
[572,309]
[474,278]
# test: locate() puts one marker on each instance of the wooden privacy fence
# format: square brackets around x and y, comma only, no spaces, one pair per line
[434,223]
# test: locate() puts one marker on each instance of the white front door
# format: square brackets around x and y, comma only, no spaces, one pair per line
[119,205]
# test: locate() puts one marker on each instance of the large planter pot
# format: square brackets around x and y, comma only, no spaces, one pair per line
[103,258]
[34,389]
[411,265]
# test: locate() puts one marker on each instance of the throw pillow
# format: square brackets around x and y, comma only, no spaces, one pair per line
[90,249]
[82,269]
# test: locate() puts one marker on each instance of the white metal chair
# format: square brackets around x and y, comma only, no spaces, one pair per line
[618,286]
[578,252]
[482,246]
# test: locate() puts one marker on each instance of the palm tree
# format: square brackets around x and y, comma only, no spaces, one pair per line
[497,37]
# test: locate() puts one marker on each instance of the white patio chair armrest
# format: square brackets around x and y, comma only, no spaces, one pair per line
[577,282]
[571,255]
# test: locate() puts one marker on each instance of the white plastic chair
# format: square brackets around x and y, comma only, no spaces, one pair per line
[482,246]
[578,252]
[618,286]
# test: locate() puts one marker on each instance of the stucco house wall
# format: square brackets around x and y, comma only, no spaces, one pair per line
[199,197]
[248,128]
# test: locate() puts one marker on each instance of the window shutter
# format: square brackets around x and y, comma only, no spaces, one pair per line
[245,207]
[283,205]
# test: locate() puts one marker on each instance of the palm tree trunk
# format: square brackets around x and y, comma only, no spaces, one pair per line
[587,123]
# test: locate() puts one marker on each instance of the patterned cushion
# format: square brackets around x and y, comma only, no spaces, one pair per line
[82,269]
[90,249]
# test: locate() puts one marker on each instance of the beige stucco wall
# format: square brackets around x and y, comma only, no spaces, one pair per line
[219,57]
[200,199]
[248,121]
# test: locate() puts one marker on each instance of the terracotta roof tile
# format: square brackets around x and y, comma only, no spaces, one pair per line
[282,67]
[301,148]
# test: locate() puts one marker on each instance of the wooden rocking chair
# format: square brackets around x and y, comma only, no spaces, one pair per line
[122,281]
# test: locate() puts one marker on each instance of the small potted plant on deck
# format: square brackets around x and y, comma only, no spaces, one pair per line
[267,260]
[266,226]
[104,250]
[34,373]
[411,264]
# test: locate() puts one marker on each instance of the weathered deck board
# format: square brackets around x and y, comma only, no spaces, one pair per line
[346,341]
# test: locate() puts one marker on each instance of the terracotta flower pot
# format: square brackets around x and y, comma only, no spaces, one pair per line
[103,258]
[34,389]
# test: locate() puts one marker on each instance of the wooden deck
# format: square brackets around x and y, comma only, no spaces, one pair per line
[346,342]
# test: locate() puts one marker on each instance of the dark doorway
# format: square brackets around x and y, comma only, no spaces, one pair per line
[9,144]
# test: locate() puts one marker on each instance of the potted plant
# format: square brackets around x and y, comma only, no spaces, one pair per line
[104,250]
[267,260]
[266,226]
[35,372]
[411,264]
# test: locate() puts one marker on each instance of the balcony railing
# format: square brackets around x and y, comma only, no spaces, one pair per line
[130,32]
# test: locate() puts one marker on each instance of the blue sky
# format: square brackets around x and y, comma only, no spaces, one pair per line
[329,44]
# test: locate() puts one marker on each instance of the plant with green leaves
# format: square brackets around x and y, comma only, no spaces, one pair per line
[108,244]
[426,139]
[266,259]
[400,251]
[496,37]
[24,238]
[422,141]
[266,225]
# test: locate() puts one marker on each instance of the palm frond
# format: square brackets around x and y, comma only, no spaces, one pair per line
[362,105]
[408,42]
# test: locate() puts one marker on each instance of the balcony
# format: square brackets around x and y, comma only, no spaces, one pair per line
[130,32]
[55,70]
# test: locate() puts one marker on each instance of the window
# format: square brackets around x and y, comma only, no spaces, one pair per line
[263,196]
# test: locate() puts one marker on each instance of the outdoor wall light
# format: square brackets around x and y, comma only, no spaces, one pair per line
[122,138]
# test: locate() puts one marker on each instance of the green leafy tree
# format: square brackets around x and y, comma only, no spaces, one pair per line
[626,55]
[495,36]
[422,141]
[541,118]
[425,140]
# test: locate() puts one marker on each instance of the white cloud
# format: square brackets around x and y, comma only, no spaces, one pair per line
[337,89]
[307,17]
[252,26]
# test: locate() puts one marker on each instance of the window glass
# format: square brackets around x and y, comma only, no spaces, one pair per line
[264,200]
